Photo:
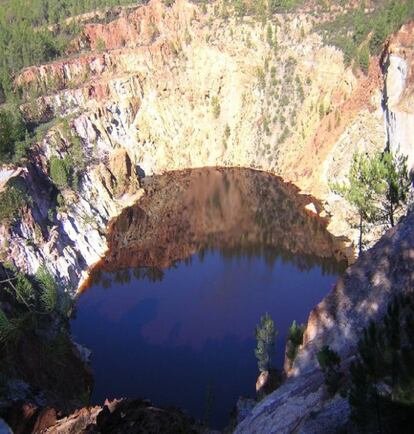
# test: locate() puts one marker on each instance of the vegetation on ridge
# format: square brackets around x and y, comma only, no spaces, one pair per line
[34,334]
[13,199]
[378,188]
[294,341]
[360,32]
[25,40]
[12,134]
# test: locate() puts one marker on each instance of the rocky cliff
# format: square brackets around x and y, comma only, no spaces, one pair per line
[162,88]
[398,65]
[302,404]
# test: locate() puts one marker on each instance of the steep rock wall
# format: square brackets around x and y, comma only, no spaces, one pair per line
[398,66]
[178,88]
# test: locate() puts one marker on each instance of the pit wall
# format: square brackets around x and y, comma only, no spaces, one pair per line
[178,88]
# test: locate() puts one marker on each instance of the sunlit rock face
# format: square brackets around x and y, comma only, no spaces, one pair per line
[399,92]
[180,88]
[235,210]
[177,88]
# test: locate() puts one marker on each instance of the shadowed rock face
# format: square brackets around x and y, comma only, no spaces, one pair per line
[234,210]
[361,295]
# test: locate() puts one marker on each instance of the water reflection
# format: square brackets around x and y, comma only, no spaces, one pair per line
[192,267]
[238,212]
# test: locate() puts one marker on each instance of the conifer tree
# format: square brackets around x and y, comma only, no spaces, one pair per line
[363,189]
[398,181]
[266,334]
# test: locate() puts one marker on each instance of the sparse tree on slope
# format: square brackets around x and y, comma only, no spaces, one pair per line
[363,189]
[398,180]
[377,188]
[266,334]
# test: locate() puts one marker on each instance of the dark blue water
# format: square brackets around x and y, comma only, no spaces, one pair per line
[183,335]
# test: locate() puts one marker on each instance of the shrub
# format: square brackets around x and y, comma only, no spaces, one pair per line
[215,102]
[269,34]
[47,285]
[24,291]
[329,362]
[9,329]
[240,8]
[12,130]
[327,358]
[12,201]
[294,341]
[227,132]
[100,44]
[321,110]
[261,77]
[363,58]
[59,172]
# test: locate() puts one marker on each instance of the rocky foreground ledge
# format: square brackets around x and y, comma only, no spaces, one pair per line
[301,404]
[132,416]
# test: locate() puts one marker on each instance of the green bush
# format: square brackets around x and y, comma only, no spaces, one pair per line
[283,5]
[363,58]
[294,341]
[59,171]
[12,131]
[269,34]
[10,330]
[13,199]
[24,291]
[261,77]
[215,102]
[100,44]
[227,132]
[327,358]
[47,285]
[329,362]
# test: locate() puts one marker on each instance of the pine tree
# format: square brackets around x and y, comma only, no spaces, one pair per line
[266,334]
[377,188]
[47,285]
[363,190]
[398,181]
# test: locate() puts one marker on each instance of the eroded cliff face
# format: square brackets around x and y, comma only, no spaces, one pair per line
[398,66]
[172,88]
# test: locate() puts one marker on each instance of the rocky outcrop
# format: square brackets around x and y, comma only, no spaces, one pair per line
[68,236]
[302,404]
[398,65]
[115,417]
